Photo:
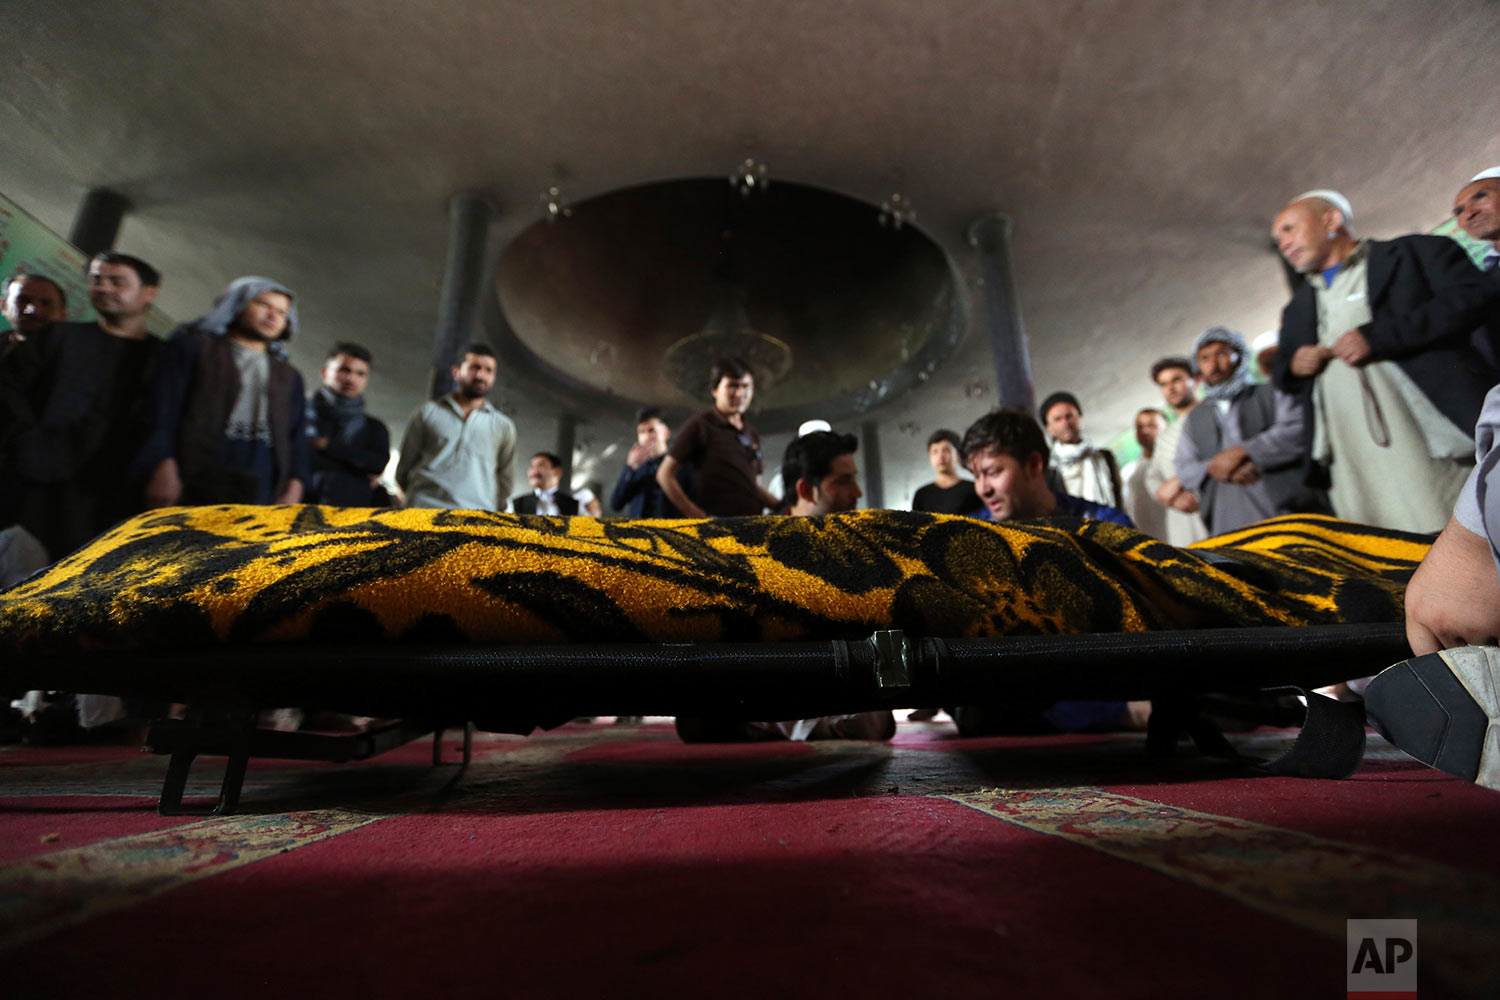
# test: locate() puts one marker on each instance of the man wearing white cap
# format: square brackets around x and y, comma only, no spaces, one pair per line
[1476,209]
[1377,343]
[775,486]
[1263,350]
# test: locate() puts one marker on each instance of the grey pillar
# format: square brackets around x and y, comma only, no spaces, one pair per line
[98,221]
[567,435]
[469,218]
[990,235]
[869,449]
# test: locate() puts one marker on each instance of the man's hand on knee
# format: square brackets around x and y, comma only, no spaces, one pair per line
[1453,598]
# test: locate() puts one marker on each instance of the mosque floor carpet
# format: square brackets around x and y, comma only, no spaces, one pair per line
[615,861]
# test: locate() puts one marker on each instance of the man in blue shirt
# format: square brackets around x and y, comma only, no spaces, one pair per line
[1007,453]
[637,493]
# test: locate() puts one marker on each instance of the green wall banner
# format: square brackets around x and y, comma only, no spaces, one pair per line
[1474,248]
[27,245]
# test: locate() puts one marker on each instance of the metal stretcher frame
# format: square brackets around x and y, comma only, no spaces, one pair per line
[504,688]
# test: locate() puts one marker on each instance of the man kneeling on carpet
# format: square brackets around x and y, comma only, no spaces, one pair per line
[821,478]
[1443,705]
[1007,454]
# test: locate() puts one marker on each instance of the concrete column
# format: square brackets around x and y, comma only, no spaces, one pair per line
[990,235]
[869,454]
[464,281]
[97,223]
[567,436]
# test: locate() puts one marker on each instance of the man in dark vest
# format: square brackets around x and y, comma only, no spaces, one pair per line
[1241,449]
[547,496]
[230,414]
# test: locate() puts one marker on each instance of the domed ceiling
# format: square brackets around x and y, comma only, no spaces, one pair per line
[1139,146]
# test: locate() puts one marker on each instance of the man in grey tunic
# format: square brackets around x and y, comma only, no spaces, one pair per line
[1240,450]
[458,451]
[1378,343]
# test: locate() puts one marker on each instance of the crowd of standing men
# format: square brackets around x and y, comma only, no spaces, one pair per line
[1382,360]
[101,420]
[1371,389]
[1376,380]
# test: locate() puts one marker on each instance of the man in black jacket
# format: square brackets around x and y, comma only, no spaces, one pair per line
[1476,209]
[72,411]
[350,448]
[548,495]
[1377,341]
[637,493]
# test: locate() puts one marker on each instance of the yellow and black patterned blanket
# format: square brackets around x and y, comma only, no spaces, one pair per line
[189,576]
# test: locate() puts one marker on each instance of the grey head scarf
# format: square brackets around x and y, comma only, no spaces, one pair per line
[232,302]
[1240,380]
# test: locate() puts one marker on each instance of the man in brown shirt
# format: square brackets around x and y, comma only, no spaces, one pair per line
[723,447]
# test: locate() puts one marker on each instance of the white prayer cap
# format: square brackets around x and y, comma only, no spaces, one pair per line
[1484,175]
[1333,198]
[1265,341]
[808,426]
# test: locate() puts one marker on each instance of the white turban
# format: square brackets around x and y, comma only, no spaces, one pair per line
[1333,198]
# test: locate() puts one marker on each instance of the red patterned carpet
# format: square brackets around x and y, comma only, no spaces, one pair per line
[616,861]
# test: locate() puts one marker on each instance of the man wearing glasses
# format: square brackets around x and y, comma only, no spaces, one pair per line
[723,447]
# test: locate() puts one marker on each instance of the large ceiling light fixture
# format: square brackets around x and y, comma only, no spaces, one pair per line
[644,288]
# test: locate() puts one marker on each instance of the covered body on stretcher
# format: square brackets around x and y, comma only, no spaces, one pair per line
[513,621]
